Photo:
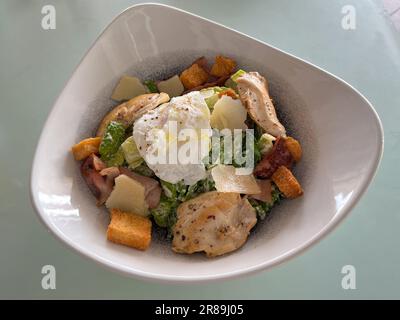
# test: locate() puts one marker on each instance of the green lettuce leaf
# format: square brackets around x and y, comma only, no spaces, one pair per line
[112,140]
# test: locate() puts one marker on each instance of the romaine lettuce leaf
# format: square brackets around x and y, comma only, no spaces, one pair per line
[131,153]
[112,140]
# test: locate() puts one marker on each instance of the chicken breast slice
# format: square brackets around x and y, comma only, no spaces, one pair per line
[131,110]
[214,222]
[253,92]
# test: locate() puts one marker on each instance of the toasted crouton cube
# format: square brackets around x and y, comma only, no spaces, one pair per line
[194,76]
[202,62]
[223,66]
[85,148]
[294,148]
[287,183]
[129,229]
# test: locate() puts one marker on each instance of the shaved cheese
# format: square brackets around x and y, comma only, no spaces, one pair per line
[265,194]
[226,180]
[228,114]
[128,195]
[172,86]
[128,88]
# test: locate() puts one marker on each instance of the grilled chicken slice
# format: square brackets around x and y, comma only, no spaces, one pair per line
[131,110]
[214,222]
[253,92]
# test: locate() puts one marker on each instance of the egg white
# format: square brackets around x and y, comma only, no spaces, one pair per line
[188,112]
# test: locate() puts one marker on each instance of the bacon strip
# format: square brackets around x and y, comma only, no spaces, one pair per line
[100,181]
[100,185]
[279,156]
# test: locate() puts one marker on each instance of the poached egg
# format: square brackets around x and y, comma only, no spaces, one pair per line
[174,138]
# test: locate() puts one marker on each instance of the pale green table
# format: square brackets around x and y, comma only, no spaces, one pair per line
[35,64]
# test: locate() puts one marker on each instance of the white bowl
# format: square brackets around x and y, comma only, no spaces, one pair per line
[340,132]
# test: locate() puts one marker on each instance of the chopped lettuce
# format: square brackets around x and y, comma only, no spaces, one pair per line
[165,214]
[246,153]
[263,208]
[198,188]
[265,143]
[144,170]
[238,74]
[111,142]
[182,192]
[116,159]
[170,189]
[211,95]
[151,86]
[257,153]
[174,194]
[211,101]
[131,153]
[231,82]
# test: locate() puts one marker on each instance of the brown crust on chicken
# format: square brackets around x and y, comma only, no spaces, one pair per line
[130,110]
[214,222]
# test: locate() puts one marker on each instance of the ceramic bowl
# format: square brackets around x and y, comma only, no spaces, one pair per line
[340,132]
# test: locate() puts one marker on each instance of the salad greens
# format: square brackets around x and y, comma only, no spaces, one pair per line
[237,74]
[144,170]
[151,86]
[211,95]
[263,208]
[165,214]
[110,144]
[116,159]
[131,153]
[231,82]
[174,194]
[265,143]
[218,152]
[115,150]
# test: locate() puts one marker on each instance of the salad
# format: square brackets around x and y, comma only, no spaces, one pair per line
[201,155]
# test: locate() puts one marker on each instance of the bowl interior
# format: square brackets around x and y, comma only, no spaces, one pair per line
[339,131]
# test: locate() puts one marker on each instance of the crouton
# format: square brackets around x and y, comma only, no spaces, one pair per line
[223,66]
[193,77]
[129,229]
[287,183]
[202,62]
[85,148]
[294,148]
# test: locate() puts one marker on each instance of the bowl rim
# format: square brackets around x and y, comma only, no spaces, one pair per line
[163,278]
